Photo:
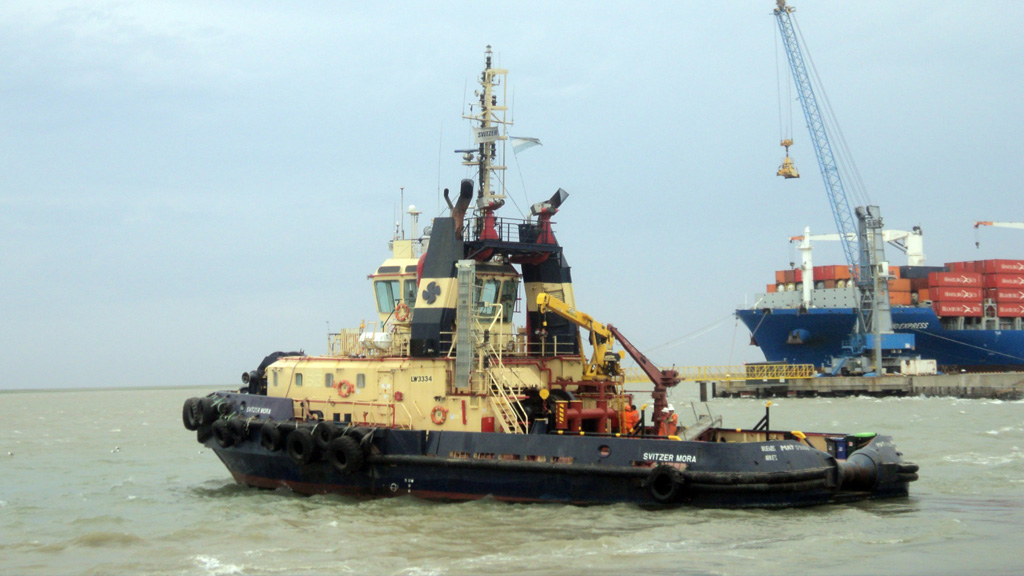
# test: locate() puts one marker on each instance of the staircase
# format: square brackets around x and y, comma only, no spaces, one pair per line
[508,411]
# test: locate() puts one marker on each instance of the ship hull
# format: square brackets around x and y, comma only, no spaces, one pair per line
[569,469]
[816,335]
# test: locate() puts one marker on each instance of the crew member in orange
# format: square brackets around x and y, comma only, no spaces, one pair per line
[669,422]
[630,419]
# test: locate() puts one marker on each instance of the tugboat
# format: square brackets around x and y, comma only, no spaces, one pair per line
[445,397]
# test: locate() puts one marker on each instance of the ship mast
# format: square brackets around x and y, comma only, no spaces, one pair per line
[490,130]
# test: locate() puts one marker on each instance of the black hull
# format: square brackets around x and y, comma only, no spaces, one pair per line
[581,470]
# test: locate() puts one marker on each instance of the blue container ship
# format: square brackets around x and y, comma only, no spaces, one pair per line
[966,316]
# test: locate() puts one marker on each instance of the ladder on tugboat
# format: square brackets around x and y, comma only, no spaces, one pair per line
[508,411]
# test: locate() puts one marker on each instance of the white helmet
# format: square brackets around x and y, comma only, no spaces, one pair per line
[669,408]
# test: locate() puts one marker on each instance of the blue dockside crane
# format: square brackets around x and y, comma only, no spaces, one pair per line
[862,242]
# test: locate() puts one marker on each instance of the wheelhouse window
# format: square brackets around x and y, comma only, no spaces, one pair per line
[387,295]
[328,380]
[494,291]
[298,379]
[509,291]
[410,293]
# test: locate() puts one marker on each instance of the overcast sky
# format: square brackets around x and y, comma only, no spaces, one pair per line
[188,186]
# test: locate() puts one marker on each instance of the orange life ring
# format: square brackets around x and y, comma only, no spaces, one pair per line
[439,415]
[401,312]
[344,388]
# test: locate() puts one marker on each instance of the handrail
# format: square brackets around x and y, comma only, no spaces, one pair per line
[730,373]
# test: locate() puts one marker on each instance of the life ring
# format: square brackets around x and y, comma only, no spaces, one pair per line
[439,415]
[344,388]
[401,312]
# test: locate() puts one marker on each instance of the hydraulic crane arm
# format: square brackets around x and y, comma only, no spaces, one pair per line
[601,337]
[605,362]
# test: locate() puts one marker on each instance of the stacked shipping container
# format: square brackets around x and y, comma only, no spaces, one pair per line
[971,289]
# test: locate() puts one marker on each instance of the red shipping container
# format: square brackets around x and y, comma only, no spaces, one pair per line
[954,294]
[824,273]
[1004,281]
[1011,310]
[957,267]
[1005,294]
[780,276]
[841,272]
[1002,266]
[770,288]
[924,294]
[969,279]
[957,308]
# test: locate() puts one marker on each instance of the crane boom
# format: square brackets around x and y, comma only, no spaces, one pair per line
[1001,224]
[601,337]
[604,362]
[862,242]
[841,211]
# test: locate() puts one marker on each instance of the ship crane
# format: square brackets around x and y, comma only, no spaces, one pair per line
[862,242]
[910,242]
[604,364]
[977,243]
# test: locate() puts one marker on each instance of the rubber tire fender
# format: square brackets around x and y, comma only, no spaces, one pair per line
[323,433]
[271,436]
[665,484]
[223,435]
[300,446]
[203,433]
[345,455]
[206,412]
[189,414]
[239,429]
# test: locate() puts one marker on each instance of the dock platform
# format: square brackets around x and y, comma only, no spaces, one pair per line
[1003,386]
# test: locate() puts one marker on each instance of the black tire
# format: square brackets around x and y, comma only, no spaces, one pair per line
[323,433]
[224,406]
[300,446]
[205,413]
[665,484]
[345,455]
[239,430]
[188,414]
[357,433]
[271,437]
[203,433]
[223,435]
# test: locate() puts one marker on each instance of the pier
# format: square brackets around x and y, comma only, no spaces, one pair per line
[1002,386]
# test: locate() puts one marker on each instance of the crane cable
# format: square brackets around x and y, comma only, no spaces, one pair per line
[842,155]
[785,120]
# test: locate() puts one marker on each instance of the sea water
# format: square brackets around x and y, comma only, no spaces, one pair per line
[110,482]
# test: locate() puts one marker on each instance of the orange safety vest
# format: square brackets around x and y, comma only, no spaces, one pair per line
[669,425]
[629,420]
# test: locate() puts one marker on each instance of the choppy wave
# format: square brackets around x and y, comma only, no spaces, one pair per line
[161,504]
